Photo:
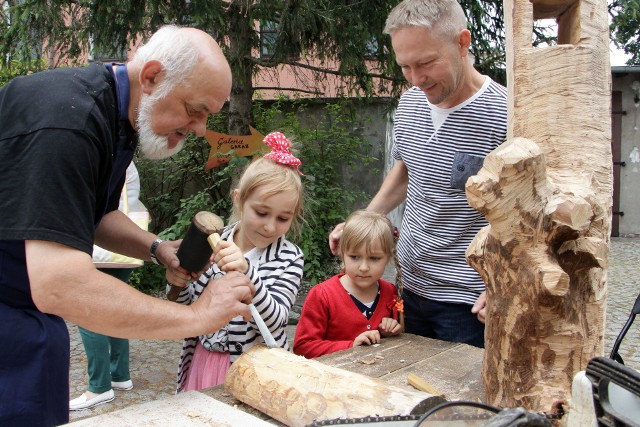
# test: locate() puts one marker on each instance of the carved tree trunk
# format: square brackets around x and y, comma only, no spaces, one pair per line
[547,195]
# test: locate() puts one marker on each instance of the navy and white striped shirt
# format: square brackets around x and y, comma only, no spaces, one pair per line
[276,274]
[438,223]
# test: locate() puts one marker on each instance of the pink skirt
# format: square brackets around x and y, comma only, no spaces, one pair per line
[208,369]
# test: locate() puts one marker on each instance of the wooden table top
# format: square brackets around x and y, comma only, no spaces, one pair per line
[452,368]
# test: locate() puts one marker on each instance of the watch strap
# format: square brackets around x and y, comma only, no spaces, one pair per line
[153,251]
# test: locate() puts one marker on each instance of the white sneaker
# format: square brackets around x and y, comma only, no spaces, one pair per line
[82,402]
[122,385]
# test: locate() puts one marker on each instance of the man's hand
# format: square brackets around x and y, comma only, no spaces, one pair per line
[225,298]
[166,253]
[389,327]
[177,279]
[480,307]
[177,276]
[334,238]
[367,338]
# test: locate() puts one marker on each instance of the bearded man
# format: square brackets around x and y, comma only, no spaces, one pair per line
[66,139]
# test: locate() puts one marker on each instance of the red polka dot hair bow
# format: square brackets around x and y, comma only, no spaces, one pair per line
[280,150]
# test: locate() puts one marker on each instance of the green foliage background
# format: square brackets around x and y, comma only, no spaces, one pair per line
[175,189]
[625,27]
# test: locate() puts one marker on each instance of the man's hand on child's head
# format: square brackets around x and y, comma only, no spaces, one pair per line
[367,338]
[389,327]
[334,238]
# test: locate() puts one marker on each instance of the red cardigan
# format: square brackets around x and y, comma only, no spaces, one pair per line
[330,320]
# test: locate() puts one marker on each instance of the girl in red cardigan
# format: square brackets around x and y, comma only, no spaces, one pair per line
[355,307]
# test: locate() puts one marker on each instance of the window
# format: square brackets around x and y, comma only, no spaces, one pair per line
[268,38]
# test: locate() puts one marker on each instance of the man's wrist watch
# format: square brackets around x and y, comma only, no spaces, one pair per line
[153,249]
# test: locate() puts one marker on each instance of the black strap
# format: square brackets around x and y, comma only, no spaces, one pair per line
[127,141]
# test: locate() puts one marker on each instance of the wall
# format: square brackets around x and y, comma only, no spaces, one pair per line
[622,80]
[370,120]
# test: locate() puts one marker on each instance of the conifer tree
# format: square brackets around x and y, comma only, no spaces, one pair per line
[344,36]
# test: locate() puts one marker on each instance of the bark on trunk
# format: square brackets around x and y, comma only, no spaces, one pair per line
[547,195]
[297,391]
[241,98]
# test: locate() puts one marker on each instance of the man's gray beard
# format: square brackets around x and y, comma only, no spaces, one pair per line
[152,146]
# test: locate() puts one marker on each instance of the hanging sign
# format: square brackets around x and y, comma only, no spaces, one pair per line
[224,146]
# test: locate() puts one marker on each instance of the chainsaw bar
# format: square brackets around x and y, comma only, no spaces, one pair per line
[389,420]
[406,421]
[510,417]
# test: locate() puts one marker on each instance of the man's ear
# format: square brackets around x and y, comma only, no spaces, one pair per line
[464,41]
[150,76]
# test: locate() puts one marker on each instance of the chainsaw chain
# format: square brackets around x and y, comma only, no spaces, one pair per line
[388,418]
[340,421]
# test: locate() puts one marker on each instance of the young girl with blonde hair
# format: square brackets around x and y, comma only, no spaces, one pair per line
[267,203]
[355,307]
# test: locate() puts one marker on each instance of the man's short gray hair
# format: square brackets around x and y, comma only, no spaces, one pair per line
[445,16]
[175,51]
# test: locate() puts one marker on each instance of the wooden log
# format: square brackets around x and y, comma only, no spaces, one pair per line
[547,196]
[297,391]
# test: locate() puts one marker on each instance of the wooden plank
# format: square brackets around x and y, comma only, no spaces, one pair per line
[221,395]
[392,354]
[184,409]
[457,372]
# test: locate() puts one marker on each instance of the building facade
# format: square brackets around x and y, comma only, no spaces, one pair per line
[625,148]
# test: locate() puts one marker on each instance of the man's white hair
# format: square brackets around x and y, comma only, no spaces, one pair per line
[175,50]
[444,16]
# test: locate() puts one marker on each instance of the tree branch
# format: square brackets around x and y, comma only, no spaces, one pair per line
[291,89]
[320,69]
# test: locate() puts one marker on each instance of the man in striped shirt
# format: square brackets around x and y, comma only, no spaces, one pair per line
[444,126]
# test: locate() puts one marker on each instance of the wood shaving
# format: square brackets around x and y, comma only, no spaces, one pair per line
[367,361]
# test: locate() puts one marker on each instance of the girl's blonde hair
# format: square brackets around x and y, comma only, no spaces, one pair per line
[281,178]
[364,228]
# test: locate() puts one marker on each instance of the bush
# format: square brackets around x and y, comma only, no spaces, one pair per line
[19,68]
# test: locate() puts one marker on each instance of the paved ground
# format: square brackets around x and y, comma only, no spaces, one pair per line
[154,363]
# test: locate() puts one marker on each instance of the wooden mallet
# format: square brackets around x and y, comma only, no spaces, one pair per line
[195,250]
[197,246]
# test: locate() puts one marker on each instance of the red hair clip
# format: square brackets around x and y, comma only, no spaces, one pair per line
[280,150]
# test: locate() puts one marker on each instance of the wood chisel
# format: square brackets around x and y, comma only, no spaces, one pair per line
[213,240]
